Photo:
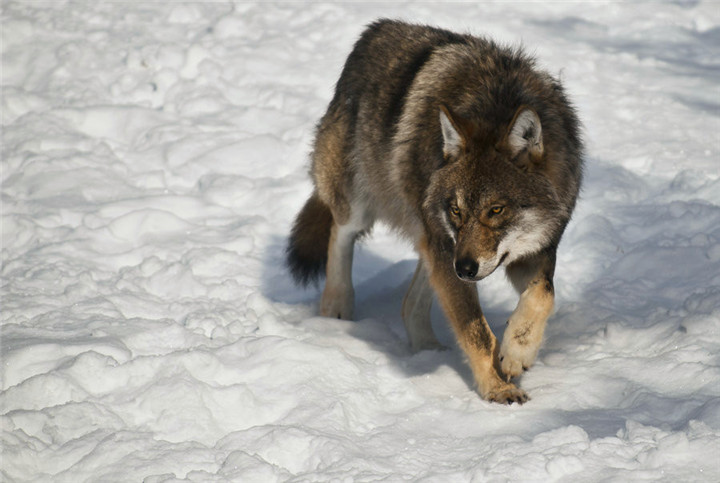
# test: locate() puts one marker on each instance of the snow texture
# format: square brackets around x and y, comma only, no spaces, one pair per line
[154,155]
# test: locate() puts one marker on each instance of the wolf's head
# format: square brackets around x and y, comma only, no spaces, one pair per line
[491,200]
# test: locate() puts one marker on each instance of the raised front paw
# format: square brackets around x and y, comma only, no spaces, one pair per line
[507,394]
[516,357]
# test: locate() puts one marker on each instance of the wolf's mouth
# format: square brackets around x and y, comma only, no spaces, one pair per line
[471,271]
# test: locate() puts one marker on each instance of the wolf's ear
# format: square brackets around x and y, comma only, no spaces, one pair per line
[525,133]
[453,136]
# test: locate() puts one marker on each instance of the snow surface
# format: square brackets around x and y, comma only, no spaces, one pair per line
[153,157]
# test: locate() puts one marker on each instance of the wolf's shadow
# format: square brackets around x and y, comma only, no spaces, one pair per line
[380,286]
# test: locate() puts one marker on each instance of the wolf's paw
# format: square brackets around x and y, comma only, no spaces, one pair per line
[507,394]
[515,357]
[427,345]
[337,305]
[422,337]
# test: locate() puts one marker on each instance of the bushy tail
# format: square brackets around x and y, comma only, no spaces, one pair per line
[307,248]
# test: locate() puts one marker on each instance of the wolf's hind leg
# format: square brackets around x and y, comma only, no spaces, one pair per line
[532,278]
[416,312]
[338,298]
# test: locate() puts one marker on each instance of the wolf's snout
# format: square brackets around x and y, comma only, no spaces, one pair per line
[466,269]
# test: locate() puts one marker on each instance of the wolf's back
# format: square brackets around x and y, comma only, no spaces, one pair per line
[307,248]
[371,81]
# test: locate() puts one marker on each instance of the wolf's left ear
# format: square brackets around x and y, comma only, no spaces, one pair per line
[525,133]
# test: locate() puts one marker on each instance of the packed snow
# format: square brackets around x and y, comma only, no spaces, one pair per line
[154,155]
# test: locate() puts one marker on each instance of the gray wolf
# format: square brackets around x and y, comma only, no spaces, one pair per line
[471,153]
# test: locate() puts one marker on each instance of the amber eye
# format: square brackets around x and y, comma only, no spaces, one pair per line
[454,210]
[496,210]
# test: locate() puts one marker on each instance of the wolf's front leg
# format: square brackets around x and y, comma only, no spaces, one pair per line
[461,305]
[532,278]
[338,298]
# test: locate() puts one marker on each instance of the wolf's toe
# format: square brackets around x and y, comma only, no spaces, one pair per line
[508,395]
[511,367]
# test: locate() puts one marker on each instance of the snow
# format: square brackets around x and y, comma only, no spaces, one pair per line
[153,158]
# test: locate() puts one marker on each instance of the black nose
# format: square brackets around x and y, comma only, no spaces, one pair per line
[466,268]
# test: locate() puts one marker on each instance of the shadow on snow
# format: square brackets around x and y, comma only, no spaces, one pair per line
[602,241]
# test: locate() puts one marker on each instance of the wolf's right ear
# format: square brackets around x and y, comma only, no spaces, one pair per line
[453,141]
[525,133]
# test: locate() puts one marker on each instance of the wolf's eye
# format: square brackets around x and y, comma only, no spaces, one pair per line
[496,210]
[454,210]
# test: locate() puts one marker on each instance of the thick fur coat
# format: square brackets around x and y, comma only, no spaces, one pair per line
[469,151]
